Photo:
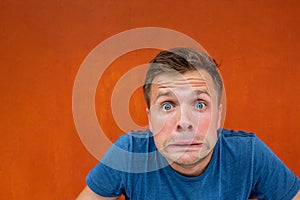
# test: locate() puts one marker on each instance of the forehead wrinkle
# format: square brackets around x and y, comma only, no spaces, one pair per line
[170,85]
[166,88]
[181,83]
[170,93]
[178,78]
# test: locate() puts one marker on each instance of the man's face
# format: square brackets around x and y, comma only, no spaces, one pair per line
[184,116]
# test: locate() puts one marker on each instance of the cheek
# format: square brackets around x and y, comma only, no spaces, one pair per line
[162,128]
[203,123]
[156,124]
[207,128]
[162,123]
[159,140]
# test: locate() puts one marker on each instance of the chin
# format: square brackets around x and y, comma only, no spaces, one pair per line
[187,159]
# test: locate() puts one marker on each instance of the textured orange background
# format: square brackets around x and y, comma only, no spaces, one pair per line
[43,44]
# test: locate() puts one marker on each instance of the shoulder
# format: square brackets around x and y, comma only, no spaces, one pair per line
[232,134]
[136,142]
[243,142]
[236,140]
[132,152]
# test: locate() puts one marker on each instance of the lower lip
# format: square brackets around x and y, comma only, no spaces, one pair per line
[192,146]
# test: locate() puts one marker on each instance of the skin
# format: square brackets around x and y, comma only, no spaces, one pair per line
[88,194]
[184,116]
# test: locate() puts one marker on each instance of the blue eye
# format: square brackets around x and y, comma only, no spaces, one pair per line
[200,105]
[167,106]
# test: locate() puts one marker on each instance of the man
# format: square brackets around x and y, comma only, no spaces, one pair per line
[185,154]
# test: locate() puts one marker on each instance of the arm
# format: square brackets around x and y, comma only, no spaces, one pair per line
[88,194]
[272,179]
[297,197]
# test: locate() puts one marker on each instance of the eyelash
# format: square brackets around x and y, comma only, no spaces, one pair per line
[203,103]
[171,105]
[167,103]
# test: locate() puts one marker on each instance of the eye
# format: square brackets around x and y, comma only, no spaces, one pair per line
[167,106]
[200,105]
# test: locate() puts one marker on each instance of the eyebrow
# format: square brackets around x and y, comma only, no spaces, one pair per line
[166,93]
[198,92]
[170,93]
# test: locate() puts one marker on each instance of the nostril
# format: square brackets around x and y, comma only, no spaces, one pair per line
[179,127]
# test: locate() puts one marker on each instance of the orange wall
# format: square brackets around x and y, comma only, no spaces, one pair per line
[43,44]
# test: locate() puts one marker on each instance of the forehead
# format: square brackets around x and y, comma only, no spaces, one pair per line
[176,80]
[185,86]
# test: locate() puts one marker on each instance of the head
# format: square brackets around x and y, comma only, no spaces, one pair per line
[183,90]
[182,60]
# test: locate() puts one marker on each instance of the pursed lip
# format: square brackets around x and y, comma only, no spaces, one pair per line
[186,145]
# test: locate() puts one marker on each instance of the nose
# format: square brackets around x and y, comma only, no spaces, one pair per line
[184,120]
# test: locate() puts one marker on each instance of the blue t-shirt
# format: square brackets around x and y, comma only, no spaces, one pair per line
[241,167]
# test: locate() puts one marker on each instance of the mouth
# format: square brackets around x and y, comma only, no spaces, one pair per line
[186,145]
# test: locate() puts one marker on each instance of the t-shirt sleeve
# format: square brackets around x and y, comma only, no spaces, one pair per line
[271,178]
[107,177]
[105,181]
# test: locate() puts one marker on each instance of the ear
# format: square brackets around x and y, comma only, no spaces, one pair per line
[220,115]
[149,118]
